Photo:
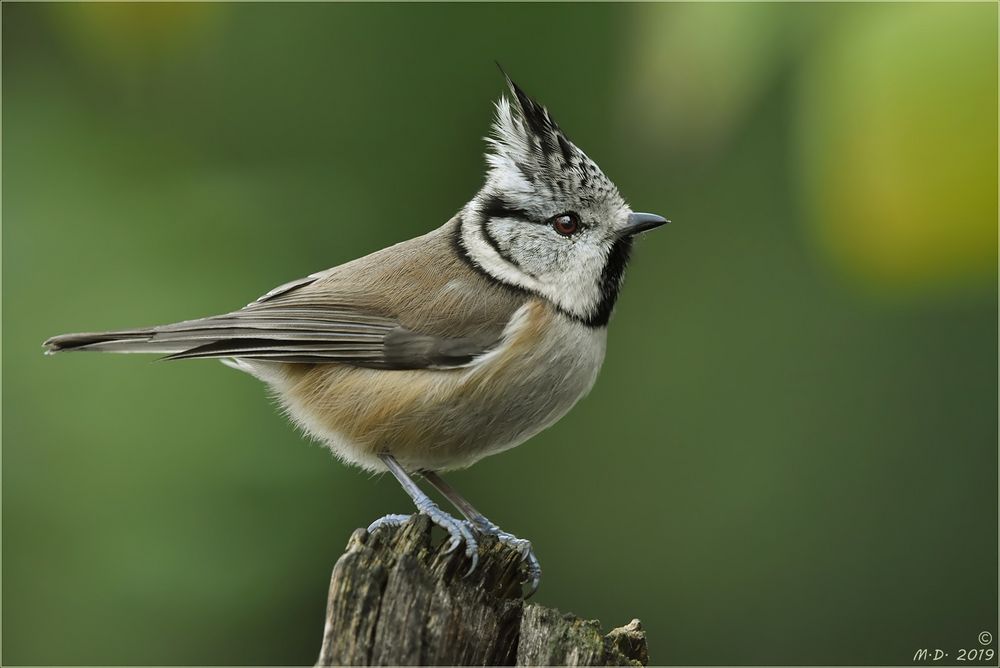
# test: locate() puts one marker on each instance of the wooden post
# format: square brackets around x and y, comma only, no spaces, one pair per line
[396,599]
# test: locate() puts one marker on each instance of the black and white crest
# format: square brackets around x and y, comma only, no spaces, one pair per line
[528,141]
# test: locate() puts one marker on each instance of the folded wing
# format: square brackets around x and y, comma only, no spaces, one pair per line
[414,305]
[289,325]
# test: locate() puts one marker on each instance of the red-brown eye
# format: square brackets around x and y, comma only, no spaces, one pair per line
[566,224]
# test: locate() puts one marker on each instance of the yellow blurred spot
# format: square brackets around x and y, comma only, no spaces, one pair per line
[898,140]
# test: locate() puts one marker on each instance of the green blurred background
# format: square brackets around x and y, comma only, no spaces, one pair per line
[791,453]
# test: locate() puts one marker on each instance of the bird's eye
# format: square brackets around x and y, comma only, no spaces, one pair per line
[566,224]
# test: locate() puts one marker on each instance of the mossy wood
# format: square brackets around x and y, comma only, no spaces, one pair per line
[397,599]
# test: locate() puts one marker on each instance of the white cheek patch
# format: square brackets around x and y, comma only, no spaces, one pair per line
[566,276]
[489,260]
[527,245]
[577,287]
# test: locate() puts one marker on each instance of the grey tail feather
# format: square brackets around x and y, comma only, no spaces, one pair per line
[291,335]
[123,341]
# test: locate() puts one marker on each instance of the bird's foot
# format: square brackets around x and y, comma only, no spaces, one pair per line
[458,532]
[533,569]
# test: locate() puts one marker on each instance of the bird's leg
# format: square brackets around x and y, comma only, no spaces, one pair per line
[481,524]
[457,530]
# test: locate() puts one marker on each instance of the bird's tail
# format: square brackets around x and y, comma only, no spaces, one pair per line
[122,341]
[172,339]
[278,334]
[306,335]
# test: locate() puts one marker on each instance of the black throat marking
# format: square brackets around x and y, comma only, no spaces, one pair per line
[611,281]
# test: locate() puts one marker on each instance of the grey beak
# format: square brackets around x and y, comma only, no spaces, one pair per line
[640,222]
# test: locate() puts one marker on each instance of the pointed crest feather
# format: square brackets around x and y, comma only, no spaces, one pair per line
[525,141]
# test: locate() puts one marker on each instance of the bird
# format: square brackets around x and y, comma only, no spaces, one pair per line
[431,354]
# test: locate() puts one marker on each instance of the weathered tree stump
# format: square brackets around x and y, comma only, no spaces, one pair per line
[397,599]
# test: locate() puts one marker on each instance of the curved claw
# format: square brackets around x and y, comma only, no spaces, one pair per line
[534,575]
[533,568]
[457,532]
[471,546]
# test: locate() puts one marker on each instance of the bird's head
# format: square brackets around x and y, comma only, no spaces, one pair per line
[547,219]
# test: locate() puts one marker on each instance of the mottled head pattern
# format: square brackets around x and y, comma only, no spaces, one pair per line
[536,179]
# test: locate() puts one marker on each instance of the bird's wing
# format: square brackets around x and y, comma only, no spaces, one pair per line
[390,310]
[310,331]
[295,330]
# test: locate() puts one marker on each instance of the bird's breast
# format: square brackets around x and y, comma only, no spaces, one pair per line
[450,418]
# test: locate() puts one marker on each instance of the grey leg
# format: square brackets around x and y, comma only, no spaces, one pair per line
[457,531]
[484,526]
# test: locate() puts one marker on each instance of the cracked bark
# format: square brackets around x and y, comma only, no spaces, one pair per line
[396,599]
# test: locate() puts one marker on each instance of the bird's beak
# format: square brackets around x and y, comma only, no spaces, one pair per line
[640,222]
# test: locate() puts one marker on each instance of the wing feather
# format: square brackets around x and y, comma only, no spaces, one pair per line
[295,329]
[392,310]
